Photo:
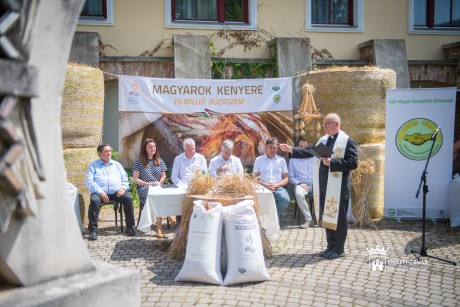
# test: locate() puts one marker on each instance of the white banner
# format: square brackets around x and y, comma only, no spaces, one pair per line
[204,97]
[412,117]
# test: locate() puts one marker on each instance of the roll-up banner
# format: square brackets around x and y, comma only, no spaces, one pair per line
[412,118]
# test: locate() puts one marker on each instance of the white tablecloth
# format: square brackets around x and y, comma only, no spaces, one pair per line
[168,201]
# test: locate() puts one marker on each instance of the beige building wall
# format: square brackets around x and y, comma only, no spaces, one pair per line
[140,26]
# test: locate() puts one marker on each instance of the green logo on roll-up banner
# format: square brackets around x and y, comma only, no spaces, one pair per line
[413,139]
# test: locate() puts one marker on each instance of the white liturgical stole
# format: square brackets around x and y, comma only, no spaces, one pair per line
[334,184]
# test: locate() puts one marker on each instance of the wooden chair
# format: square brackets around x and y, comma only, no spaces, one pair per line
[117,207]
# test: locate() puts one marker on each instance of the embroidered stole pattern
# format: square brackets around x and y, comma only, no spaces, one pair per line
[334,184]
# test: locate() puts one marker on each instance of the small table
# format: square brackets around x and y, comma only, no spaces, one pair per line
[168,201]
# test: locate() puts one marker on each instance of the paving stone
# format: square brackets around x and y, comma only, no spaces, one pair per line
[298,277]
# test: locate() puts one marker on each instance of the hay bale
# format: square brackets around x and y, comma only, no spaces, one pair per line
[76,163]
[375,198]
[357,95]
[82,106]
[362,179]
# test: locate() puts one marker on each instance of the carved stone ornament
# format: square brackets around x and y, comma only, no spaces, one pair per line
[20,167]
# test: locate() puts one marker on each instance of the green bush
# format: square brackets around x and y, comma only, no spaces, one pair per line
[132,185]
[133,191]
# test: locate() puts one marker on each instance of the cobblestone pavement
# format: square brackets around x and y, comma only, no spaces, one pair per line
[297,275]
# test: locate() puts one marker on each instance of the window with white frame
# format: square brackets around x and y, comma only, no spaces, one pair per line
[97,12]
[434,16]
[211,14]
[335,15]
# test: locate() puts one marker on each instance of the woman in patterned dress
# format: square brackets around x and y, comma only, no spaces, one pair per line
[149,170]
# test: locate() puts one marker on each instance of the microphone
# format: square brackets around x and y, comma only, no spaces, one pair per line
[435,133]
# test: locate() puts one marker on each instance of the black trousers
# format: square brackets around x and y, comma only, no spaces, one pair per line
[95,206]
[336,238]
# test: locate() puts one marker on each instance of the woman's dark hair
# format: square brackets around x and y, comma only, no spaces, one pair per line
[144,158]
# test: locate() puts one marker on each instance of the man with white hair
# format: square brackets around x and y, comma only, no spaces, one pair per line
[187,164]
[225,163]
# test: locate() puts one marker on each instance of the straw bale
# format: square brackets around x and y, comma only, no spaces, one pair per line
[357,95]
[82,106]
[76,163]
[375,198]
[362,179]
[202,184]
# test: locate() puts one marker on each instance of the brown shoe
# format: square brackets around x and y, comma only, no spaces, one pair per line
[160,235]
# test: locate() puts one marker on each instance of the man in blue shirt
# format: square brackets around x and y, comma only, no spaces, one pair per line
[107,180]
[301,178]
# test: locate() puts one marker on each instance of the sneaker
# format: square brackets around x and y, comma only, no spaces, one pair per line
[305,225]
[92,236]
[130,231]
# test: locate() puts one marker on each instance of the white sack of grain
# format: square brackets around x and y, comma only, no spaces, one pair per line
[245,257]
[202,256]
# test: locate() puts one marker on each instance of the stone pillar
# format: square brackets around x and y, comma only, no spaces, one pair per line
[293,55]
[452,52]
[85,49]
[192,56]
[388,53]
[43,260]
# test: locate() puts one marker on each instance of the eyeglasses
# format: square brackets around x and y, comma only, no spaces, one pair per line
[325,124]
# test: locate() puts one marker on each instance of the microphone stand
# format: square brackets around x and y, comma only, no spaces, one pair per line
[423,180]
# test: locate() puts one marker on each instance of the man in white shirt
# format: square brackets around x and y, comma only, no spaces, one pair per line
[272,173]
[187,164]
[225,163]
[301,178]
